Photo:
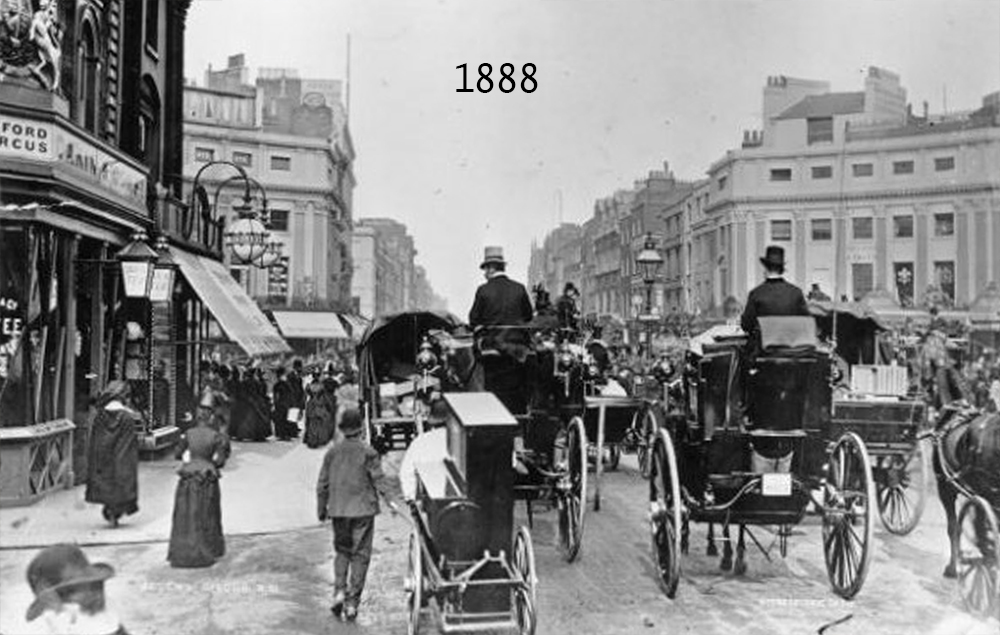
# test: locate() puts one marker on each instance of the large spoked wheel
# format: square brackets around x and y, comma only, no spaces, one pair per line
[979,558]
[646,433]
[665,512]
[902,489]
[572,495]
[414,585]
[848,517]
[525,600]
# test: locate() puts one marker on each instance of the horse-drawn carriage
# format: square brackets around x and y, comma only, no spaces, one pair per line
[762,461]
[464,554]
[395,382]
[877,400]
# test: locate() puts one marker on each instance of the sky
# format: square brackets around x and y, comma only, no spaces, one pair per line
[622,87]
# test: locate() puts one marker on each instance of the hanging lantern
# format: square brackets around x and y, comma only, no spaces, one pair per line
[164,273]
[137,260]
[247,240]
[271,255]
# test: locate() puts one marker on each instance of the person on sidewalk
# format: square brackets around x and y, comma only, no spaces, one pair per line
[69,595]
[196,538]
[113,454]
[321,411]
[347,491]
[282,401]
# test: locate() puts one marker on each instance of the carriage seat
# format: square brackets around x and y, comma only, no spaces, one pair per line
[454,522]
[787,336]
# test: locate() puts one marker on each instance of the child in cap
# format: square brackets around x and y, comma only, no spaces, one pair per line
[350,482]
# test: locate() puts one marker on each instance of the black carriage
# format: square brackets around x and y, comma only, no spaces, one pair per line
[967,458]
[464,553]
[877,399]
[762,460]
[394,381]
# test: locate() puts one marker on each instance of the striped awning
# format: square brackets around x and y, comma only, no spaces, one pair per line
[313,325]
[239,316]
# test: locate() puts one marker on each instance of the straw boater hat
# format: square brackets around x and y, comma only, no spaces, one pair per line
[60,567]
[773,257]
[493,256]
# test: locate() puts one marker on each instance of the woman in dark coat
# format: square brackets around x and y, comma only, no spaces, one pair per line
[283,428]
[258,406]
[320,416]
[196,538]
[113,454]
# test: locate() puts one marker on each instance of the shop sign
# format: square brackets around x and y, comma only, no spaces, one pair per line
[11,327]
[49,143]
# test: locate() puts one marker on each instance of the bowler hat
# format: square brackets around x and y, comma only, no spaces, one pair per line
[774,257]
[350,421]
[58,567]
[493,256]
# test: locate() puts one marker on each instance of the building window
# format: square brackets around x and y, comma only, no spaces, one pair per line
[944,224]
[944,164]
[902,167]
[279,220]
[781,174]
[781,230]
[204,155]
[903,272]
[819,130]
[862,228]
[822,172]
[153,24]
[863,278]
[277,279]
[902,226]
[863,169]
[243,158]
[89,89]
[283,164]
[944,274]
[822,229]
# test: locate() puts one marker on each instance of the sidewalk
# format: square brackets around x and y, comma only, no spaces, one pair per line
[266,487]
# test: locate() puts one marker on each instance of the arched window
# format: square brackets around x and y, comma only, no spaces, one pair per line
[87,95]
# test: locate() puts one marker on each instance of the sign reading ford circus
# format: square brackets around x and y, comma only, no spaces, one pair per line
[41,141]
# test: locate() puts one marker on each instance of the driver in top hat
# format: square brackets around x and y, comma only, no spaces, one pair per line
[775,296]
[500,301]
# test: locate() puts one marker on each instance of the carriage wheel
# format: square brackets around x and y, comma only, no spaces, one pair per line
[414,585]
[902,489]
[646,437]
[573,491]
[665,507]
[525,598]
[848,515]
[979,558]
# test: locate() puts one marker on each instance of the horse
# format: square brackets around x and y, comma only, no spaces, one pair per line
[967,460]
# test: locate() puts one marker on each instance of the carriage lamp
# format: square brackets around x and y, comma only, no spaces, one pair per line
[137,261]
[426,359]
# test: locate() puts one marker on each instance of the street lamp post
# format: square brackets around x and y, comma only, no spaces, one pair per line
[649,261]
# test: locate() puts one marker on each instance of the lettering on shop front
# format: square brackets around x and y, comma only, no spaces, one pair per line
[11,327]
[24,138]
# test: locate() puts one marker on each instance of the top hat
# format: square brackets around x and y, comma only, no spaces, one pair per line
[493,256]
[570,287]
[773,257]
[350,421]
[58,567]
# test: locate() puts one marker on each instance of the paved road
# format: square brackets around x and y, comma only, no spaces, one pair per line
[279,582]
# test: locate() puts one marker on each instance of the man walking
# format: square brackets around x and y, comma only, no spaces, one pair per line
[347,492]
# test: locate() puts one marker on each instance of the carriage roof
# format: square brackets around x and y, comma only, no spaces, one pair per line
[397,337]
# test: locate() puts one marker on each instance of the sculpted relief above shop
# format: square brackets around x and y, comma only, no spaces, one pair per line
[31,43]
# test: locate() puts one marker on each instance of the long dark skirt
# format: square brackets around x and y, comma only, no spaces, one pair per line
[196,538]
[319,431]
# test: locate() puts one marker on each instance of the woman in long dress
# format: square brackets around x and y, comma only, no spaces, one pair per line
[258,406]
[113,454]
[320,416]
[283,402]
[196,538]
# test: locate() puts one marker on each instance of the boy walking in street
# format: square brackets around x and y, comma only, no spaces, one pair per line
[347,492]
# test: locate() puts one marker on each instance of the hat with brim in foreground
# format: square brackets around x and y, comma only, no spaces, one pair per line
[773,257]
[60,567]
[493,256]
[350,421]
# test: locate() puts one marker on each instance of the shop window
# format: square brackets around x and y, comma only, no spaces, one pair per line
[862,169]
[781,174]
[862,279]
[902,226]
[822,229]
[902,167]
[281,164]
[822,172]
[944,164]
[944,224]
[862,228]
[781,230]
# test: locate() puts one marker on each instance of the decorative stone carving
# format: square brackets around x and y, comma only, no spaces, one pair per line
[31,37]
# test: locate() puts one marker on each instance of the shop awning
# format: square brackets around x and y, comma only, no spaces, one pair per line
[238,315]
[313,325]
[355,324]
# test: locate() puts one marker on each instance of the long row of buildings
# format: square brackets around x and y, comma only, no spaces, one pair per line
[862,193]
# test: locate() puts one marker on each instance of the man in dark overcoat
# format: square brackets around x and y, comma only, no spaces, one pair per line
[775,296]
[501,302]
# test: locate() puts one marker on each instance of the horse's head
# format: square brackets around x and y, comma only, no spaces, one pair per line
[457,357]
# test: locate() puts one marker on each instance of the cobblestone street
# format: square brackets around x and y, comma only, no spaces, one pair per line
[280,581]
